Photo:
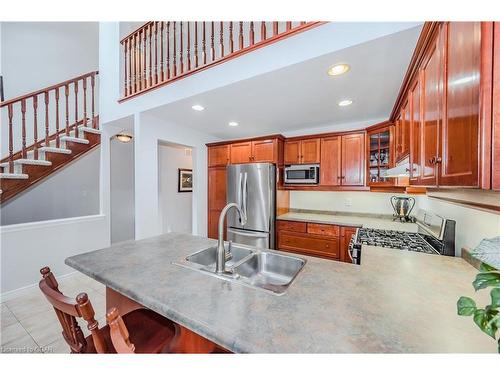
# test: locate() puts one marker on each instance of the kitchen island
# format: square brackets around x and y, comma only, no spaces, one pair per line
[394,302]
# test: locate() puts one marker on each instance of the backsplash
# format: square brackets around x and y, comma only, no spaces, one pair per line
[346,201]
[472,224]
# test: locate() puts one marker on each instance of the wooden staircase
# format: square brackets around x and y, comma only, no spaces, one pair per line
[32,164]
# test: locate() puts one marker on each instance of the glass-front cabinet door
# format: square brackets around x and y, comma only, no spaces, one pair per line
[380,155]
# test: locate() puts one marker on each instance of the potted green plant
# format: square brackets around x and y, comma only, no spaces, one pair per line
[487,318]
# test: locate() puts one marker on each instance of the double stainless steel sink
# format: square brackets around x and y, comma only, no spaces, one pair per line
[260,269]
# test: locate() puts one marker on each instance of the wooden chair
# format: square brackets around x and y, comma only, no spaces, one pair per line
[150,332]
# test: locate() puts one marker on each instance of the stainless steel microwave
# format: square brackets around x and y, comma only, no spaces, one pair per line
[302,174]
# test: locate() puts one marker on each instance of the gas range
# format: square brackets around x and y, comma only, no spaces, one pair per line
[435,235]
[395,240]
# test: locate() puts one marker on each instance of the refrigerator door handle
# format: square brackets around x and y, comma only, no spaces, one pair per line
[244,200]
[245,233]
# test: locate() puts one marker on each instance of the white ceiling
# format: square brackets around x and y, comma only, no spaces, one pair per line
[303,96]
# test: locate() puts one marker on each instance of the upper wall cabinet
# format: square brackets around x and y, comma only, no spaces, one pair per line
[303,151]
[402,130]
[218,156]
[495,171]
[459,163]
[257,151]
[380,155]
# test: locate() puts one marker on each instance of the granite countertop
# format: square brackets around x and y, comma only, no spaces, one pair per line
[348,219]
[394,302]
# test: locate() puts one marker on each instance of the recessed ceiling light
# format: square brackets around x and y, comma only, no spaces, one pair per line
[338,69]
[233,123]
[344,103]
[198,107]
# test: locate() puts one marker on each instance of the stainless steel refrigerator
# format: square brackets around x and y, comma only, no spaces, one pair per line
[253,188]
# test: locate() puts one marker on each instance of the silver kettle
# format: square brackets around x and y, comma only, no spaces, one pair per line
[402,207]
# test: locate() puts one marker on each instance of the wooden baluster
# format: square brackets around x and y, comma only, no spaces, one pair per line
[76,109]
[182,52]
[162,70]
[288,26]
[231,42]
[252,34]
[302,23]
[150,33]
[66,94]
[168,50]
[175,50]
[138,76]
[212,45]
[47,140]
[221,39]
[275,28]
[189,46]
[241,35]
[132,62]
[58,142]
[263,31]
[35,127]
[11,139]
[85,102]
[130,72]
[125,87]
[92,85]
[204,44]
[144,61]
[23,128]
[156,52]
[196,44]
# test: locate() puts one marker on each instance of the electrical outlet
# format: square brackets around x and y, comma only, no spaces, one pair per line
[348,202]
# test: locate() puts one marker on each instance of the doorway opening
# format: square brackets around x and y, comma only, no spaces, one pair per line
[175,163]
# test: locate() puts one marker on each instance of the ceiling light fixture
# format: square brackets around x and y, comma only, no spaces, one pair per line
[338,69]
[198,107]
[124,137]
[233,123]
[345,103]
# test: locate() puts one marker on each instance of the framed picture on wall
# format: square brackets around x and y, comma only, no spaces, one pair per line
[185,183]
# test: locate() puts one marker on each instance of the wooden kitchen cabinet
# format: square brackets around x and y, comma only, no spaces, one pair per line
[353,159]
[241,152]
[459,157]
[216,197]
[330,161]
[402,134]
[346,234]
[415,134]
[315,239]
[258,151]
[495,170]
[305,151]
[218,156]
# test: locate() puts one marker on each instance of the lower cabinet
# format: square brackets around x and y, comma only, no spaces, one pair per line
[323,240]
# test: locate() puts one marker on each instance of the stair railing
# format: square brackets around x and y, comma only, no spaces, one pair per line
[59,109]
[160,52]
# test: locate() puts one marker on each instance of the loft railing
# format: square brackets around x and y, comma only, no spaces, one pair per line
[40,118]
[160,52]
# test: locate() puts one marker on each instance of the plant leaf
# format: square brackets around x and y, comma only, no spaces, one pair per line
[481,319]
[486,279]
[495,297]
[466,306]
[486,268]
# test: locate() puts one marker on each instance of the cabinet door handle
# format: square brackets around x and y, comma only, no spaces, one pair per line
[438,160]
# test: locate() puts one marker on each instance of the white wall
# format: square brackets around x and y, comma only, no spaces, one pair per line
[175,207]
[122,191]
[70,192]
[472,225]
[149,131]
[26,248]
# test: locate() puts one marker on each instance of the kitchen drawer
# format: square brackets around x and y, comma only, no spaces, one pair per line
[323,229]
[308,244]
[292,226]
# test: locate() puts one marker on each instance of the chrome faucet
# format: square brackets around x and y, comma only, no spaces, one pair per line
[220,260]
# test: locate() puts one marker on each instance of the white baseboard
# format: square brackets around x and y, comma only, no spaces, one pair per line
[12,294]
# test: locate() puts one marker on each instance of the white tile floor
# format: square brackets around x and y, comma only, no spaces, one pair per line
[29,323]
